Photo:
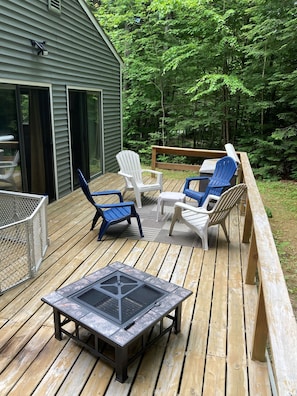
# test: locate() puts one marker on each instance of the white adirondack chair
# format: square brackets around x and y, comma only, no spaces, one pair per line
[199,218]
[7,169]
[131,170]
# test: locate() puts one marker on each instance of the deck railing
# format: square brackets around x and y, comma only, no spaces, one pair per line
[275,323]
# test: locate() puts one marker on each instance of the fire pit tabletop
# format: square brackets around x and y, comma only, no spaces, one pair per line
[118,335]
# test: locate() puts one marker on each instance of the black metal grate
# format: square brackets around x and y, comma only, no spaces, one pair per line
[119,297]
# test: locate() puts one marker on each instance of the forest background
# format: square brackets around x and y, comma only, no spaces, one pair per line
[200,73]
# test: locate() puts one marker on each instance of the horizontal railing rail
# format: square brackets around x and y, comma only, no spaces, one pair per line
[275,322]
[186,152]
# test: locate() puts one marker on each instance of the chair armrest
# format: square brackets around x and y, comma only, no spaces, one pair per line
[219,185]
[195,209]
[154,172]
[108,192]
[209,198]
[197,178]
[116,205]
[189,179]
[7,164]
[130,177]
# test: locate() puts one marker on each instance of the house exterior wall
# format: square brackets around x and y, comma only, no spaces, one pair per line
[79,54]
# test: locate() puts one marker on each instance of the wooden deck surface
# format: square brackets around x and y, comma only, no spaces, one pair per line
[211,355]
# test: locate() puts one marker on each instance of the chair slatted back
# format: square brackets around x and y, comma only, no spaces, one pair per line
[84,186]
[225,204]
[129,163]
[230,150]
[224,171]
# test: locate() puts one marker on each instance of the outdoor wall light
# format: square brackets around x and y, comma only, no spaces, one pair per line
[40,46]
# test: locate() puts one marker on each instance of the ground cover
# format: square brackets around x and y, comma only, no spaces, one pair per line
[280,200]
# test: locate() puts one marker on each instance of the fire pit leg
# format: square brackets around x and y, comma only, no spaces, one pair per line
[57,321]
[121,364]
[177,324]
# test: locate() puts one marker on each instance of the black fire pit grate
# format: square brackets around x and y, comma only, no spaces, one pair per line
[119,297]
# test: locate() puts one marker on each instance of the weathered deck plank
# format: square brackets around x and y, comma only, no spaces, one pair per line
[209,356]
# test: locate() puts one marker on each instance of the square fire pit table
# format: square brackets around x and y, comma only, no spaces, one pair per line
[122,309]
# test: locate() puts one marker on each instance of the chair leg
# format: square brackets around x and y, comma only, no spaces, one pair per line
[138,199]
[162,207]
[103,229]
[139,226]
[176,216]
[223,224]
[95,219]
[204,240]
[202,232]
[158,208]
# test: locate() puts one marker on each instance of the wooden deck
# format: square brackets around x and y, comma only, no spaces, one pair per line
[211,355]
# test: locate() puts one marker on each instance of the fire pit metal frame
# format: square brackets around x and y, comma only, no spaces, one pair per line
[104,331]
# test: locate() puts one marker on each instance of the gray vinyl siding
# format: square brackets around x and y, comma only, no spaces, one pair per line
[78,56]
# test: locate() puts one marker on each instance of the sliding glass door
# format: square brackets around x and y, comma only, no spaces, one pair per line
[25,127]
[85,129]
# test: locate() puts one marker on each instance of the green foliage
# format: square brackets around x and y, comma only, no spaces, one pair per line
[216,82]
[213,71]
[285,141]
[268,212]
[275,157]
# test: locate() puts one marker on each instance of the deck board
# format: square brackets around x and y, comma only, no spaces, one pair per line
[211,355]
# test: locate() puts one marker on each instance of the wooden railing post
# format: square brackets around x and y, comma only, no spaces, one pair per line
[260,330]
[247,229]
[154,158]
[252,261]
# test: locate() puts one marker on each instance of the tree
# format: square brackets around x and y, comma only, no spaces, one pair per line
[201,73]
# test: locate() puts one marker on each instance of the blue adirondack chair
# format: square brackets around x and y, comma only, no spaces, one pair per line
[221,178]
[111,213]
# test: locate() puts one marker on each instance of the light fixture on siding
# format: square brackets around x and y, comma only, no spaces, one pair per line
[40,46]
